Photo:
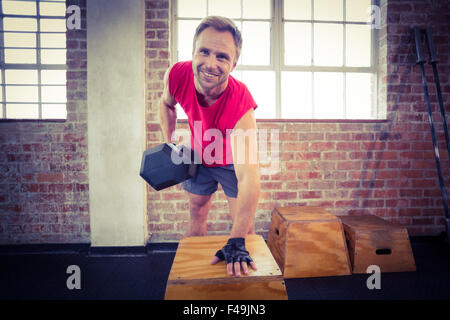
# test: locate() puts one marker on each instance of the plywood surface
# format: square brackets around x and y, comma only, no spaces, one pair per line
[368,223]
[368,236]
[276,239]
[191,264]
[264,290]
[316,249]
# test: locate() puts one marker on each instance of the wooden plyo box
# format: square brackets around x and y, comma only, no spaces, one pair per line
[193,278]
[308,242]
[374,241]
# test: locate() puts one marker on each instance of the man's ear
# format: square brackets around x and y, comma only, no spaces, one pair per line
[234,65]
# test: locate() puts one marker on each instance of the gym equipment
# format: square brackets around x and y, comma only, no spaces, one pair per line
[193,277]
[308,242]
[374,241]
[418,35]
[166,165]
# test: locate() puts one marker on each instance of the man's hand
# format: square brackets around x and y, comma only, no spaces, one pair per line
[235,256]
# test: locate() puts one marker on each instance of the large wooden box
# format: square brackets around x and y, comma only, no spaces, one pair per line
[308,242]
[193,278]
[374,241]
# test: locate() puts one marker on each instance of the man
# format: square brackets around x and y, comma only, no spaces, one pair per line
[218,102]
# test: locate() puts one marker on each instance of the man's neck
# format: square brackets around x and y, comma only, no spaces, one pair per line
[208,98]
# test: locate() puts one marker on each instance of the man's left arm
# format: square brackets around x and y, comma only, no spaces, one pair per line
[245,159]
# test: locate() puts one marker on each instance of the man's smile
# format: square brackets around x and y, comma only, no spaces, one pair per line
[209,75]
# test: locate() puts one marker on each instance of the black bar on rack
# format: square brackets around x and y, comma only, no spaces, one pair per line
[433,61]
[421,61]
[418,39]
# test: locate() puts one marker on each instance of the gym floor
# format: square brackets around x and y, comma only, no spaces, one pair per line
[31,272]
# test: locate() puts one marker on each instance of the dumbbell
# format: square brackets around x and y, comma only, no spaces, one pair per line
[166,165]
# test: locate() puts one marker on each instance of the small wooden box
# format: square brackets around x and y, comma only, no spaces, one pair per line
[308,242]
[193,278]
[374,241]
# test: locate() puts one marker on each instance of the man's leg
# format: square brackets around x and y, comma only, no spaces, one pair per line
[232,204]
[199,207]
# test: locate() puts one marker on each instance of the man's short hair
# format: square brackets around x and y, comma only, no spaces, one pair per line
[220,24]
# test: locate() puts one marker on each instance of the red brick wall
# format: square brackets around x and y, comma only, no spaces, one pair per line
[386,168]
[43,165]
[382,168]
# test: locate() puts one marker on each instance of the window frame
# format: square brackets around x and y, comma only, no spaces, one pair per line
[277,64]
[38,66]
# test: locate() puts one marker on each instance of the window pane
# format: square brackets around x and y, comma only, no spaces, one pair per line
[53,40]
[22,111]
[21,76]
[19,24]
[328,95]
[53,93]
[53,76]
[53,25]
[54,111]
[21,40]
[19,7]
[296,95]
[52,9]
[358,10]
[54,56]
[256,44]
[359,95]
[358,45]
[229,8]
[329,10]
[297,43]
[191,8]
[262,87]
[256,9]
[21,93]
[20,56]
[328,44]
[297,9]
[186,30]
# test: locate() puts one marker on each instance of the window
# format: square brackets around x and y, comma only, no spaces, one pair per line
[33,59]
[301,59]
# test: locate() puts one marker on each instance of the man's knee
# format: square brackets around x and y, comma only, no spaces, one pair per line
[199,200]
[199,204]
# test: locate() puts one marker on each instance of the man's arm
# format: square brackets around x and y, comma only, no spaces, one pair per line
[247,173]
[167,111]
[245,159]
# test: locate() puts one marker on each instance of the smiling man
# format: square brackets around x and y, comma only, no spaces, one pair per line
[209,95]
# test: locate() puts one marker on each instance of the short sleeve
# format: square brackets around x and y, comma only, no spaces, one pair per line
[244,102]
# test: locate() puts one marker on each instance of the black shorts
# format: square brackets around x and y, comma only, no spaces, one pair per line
[207,179]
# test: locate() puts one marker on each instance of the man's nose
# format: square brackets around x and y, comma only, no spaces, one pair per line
[211,62]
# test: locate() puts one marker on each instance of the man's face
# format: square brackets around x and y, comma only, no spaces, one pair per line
[213,60]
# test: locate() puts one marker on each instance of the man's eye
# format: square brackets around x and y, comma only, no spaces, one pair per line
[205,52]
[221,57]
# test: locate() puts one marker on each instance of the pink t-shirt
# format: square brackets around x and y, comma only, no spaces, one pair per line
[210,126]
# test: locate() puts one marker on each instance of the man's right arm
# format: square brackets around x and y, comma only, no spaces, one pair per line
[167,111]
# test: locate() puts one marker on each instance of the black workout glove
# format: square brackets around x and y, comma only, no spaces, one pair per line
[234,251]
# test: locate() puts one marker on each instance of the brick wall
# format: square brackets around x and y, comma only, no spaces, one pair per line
[386,168]
[382,168]
[43,165]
